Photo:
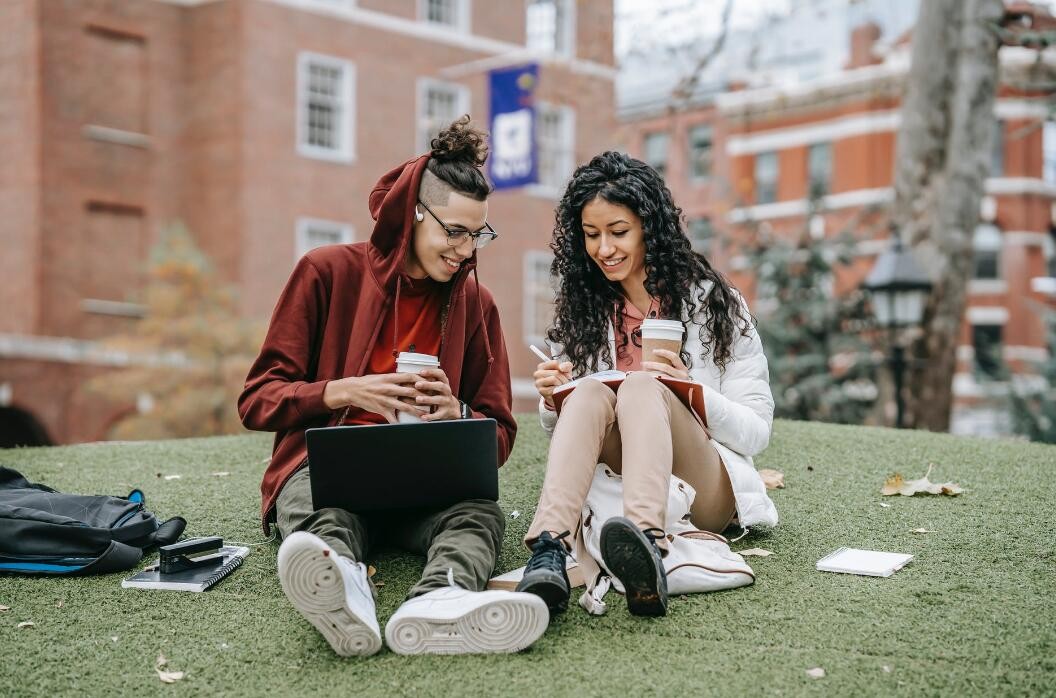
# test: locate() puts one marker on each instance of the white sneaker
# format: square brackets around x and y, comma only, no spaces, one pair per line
[457,621]
[332,592]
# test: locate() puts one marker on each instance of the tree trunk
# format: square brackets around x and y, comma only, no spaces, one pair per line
[943,156]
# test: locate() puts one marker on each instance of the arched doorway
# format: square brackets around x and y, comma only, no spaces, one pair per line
[20,428]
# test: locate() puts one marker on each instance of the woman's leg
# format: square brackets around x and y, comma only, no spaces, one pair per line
[587,418]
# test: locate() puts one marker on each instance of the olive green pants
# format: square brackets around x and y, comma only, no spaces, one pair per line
[465,537]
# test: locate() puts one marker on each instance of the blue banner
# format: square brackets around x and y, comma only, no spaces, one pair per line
[513,161]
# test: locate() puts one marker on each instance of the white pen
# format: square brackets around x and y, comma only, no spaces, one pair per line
[539,352]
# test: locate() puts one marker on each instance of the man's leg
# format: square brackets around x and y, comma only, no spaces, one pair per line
[448,611]
[319,572]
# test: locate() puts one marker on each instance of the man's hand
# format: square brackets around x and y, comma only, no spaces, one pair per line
[379,393]
[437,393]
[679,369]
[550,374]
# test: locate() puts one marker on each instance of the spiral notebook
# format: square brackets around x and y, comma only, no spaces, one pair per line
[198,579]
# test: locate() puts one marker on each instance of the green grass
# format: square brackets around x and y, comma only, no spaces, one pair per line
[972,614]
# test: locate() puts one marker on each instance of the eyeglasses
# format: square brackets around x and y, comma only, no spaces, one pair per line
[456,236]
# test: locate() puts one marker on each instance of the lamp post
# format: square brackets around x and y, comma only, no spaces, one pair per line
[899,289]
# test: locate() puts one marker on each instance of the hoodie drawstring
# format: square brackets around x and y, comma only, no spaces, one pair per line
[396,319]
[484,327]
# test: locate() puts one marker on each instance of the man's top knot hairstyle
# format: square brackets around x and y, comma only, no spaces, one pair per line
[456,156]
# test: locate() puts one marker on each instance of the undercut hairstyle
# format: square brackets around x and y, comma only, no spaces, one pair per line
[456,156]
[587,302]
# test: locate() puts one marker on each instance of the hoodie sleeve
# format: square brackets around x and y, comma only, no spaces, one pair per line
[486,388]
[280,392]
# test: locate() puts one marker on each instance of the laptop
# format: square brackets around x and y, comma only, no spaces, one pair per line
[403,466]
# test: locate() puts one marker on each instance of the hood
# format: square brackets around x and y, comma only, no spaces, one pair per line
[391,205]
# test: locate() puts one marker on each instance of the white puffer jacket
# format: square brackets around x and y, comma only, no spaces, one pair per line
[740,411]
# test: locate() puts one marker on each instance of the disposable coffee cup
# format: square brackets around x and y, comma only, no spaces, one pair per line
[409,362]
[661,334]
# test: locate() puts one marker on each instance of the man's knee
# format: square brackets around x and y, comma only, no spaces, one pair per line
[479,514]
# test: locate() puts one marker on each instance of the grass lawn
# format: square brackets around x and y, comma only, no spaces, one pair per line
[974,613]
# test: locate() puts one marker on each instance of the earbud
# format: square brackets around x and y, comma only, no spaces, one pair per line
[418,215]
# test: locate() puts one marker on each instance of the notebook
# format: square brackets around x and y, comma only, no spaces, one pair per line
[690,393]
[199,579]
[868,562]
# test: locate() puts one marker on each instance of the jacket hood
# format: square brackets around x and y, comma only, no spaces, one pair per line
[391,203]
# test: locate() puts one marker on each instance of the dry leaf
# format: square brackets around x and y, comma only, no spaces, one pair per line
[25,624]
[755,552]
[886,668]
[884,504]
[816,673]
[922,530]
[4,608]
[371,571]
[773,479]
[515,514]
[896,484]
[163,674]
[59,603]
[172,477]
[221,474]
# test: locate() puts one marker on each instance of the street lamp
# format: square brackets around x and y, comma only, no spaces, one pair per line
[899,289]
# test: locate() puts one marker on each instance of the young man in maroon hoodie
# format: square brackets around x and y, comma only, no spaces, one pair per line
[329,358]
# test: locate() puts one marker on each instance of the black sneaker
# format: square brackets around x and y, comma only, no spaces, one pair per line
[545,574]
[634,558]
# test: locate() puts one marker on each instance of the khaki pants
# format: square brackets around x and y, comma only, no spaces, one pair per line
[465,537]
[645,433]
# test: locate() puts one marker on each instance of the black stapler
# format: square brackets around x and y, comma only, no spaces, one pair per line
[175,557]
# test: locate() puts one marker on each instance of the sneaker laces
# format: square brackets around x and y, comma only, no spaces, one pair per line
[548,552]
[654,535]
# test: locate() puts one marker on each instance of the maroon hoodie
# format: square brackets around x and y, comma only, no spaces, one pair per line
[327,321]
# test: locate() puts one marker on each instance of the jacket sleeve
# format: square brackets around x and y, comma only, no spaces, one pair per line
[280,391]
[485,387]
[741,412]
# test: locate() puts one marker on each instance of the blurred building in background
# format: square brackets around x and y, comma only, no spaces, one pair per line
[262,125]
[796,148]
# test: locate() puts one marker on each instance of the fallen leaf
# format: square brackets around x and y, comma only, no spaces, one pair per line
[816,673]
[886,668]
[165,675]
[172,477]
[896,484]
[922,530]
[4,608]
[222,473]
[773,479]
[25,624]
[515,514]
[59,603]
[113,638]
[371,571]
[885,505]
[755,552]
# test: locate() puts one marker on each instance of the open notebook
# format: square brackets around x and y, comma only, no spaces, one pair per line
[690,393]
[197,579]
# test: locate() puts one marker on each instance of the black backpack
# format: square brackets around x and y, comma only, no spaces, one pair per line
[47,532]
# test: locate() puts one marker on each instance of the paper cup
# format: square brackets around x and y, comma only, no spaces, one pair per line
[409,362]
[661,334]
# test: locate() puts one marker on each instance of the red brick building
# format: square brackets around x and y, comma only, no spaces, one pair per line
[754,156]
[261,125]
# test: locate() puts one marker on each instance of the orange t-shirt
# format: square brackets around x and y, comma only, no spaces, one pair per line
[629,358]
[418,312]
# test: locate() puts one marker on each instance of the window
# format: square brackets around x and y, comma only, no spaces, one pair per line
[449,13]
[312,233]
[439,103]
[986,243]
[120,102]
[701,234]
[986,341]
[819,170]
[539,291]
[325,89]
[555,144]
[1048,150]
[766,178]
[997,150]
[655,146]
[550,26]
[700,153]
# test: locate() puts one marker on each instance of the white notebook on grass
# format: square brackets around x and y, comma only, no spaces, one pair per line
[868,562]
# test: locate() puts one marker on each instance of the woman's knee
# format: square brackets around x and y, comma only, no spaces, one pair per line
[590,394]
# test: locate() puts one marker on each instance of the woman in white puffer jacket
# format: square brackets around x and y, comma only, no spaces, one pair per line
[622,256]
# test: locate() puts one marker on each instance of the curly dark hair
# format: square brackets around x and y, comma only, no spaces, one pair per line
[586,300]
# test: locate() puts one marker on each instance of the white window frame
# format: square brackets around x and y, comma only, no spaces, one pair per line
[987,238]
[533,261]
[777,176]
[305,224]
[422,129]
[463,12]
[569,19]
[1048,152]
[691,153]
[346,134]
[332,4]
[660,136]
[566,149]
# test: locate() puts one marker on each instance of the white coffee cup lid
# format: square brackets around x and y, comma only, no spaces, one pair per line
[407,357]
[655,324]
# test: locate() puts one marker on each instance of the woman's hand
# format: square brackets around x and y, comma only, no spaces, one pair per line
[378,393]
[678,370]
[550,374]
[437,393]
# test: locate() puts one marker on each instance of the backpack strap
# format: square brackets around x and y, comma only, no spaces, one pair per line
[117,558]
[170,531]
